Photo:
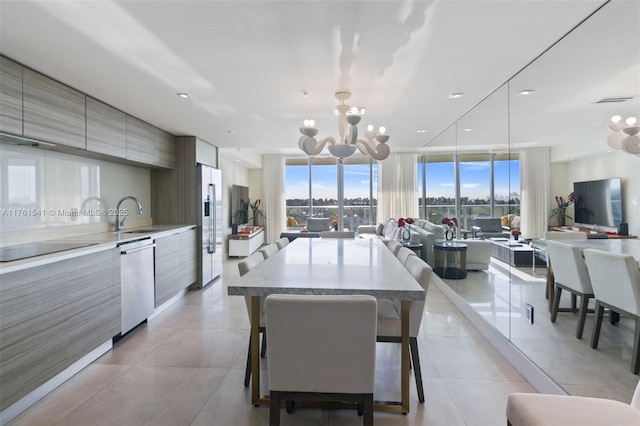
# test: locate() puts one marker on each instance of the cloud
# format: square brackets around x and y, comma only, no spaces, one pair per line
[471,185]
[448,185]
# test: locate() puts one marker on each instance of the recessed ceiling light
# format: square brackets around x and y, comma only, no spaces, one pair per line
[422,131]
[304,93]
[228,132]
[468,129]
[183,95]
[456,95]
[526,92]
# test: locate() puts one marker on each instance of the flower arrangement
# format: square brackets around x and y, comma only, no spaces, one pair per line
[403,221]
[451,222]
[516,234]
[334,224]
[560,211]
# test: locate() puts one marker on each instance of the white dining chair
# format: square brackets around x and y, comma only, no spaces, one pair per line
[571,274]
[404,254]
[282,243]
[533,409]
[389,321]
[616,285]
[269,250]
[562,236]
[322,348]
[394,246]
[244,266]
[337,234]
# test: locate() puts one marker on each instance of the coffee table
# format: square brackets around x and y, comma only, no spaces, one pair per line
[513,252]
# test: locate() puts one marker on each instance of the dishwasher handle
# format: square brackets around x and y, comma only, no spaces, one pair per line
[138,249]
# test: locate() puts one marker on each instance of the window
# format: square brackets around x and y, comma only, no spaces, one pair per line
[440,187]
[312,190]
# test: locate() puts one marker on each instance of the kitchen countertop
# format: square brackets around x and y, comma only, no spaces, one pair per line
[101,241]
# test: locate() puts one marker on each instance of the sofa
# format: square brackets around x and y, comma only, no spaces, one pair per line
[478,251]
[495,227]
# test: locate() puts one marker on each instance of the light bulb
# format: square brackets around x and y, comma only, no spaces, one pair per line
[370,127]
[616,118]
[354,110]
[312,123]
[631,121]
[306,123]
[382,129]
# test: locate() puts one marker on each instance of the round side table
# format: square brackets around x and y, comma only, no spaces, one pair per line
[416,247]
[450,260]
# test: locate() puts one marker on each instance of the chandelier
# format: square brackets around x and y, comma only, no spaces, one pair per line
[373,145]
[625,135]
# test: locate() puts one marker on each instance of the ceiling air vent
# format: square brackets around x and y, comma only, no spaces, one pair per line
[614,99]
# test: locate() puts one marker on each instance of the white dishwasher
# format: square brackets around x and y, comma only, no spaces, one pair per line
[137,279]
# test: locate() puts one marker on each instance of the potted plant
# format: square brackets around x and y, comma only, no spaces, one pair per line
[257,213]
[560,211]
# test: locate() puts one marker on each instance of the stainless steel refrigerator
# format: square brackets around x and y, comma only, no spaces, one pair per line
[210,224]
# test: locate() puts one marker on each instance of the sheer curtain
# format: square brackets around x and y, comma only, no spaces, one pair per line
[397,186]
[273,196]
[535,170]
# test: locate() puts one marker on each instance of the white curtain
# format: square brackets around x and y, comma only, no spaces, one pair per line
[273,196]
[535,171]
[397,187]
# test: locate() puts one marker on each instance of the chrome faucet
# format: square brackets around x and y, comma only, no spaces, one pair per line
[119,223]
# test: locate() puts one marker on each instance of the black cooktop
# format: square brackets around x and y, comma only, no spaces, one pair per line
[24,251]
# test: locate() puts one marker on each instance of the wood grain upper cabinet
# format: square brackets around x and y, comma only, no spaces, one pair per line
[10,96]
[53,112]
[141,139]
[206,153]
[106,129]
[165,149]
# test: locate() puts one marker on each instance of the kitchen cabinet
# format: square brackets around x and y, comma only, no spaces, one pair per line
[206,153]
[53,112]
[106,129]
[140,140]
[52,315]
[10,96]
[165,149]
[176,264]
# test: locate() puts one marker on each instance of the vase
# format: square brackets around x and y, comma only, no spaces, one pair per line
[561,219]
[449,234]
[406,235]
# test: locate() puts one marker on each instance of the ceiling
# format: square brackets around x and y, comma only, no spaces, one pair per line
[244,63]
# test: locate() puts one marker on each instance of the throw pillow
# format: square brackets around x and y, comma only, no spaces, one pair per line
[379,229]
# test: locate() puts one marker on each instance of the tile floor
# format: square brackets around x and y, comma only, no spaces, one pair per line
[186,367]
[570,362]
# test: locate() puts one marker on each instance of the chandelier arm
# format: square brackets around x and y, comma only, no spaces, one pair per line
[311,146]
[378,151]
[353,135]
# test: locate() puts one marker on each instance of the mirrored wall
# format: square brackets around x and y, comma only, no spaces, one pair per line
[561,102]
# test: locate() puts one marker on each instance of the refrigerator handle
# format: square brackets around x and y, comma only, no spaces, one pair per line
[211,248]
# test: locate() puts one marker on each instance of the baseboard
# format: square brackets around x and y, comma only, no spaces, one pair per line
[534,374]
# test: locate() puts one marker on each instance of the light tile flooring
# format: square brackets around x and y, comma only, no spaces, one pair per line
[572,363]
[186,367]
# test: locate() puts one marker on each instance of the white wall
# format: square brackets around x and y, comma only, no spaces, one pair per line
[612,165]
[55,194]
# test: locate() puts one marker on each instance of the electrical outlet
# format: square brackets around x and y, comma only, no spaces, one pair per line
[529,313]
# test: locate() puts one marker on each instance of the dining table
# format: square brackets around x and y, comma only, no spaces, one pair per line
[620,246]
[332,266]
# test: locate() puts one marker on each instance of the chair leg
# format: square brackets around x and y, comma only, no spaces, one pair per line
[597,323]
[574,302]
[263,349]
[584,304]
[247,371]
[413,344]
[368,410]
[556,304]
[635,360]
[274,408]
[289,403]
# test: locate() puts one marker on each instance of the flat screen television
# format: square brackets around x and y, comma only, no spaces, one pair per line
[598,202]
[239,205]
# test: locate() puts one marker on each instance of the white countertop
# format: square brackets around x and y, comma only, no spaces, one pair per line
[103,240]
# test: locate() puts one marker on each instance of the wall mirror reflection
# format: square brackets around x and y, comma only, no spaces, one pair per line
[528,142]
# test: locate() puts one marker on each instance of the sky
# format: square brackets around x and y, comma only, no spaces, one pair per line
[474,178]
